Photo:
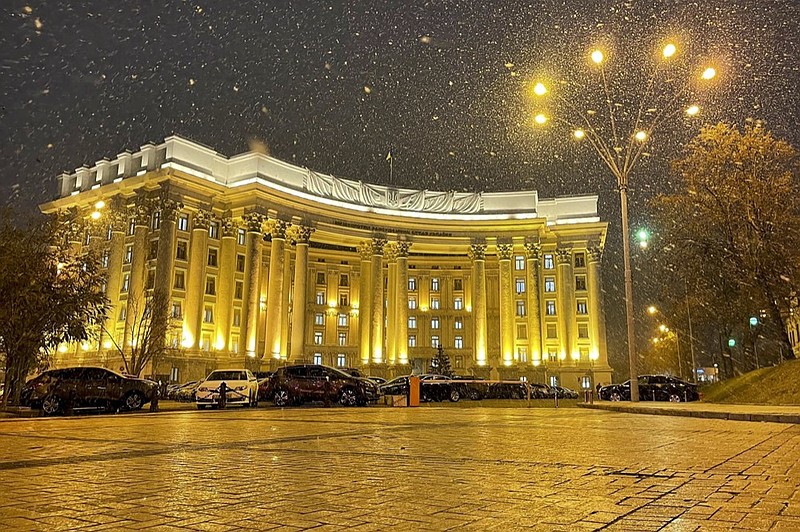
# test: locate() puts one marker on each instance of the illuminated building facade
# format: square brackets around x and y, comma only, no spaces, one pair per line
[267,263]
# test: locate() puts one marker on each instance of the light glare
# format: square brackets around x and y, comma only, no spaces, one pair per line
[693,110]
[641,136]
[579,134]
[95,215]
[540,118]
[669,50]
[597,56]
[539,89]
[709,73]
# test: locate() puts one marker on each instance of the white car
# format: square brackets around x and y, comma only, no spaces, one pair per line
[240,384]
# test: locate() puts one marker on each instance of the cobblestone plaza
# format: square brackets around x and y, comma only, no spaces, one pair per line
[432,468]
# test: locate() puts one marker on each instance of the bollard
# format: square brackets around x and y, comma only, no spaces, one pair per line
[528,393]
[223,395]
[413,391]
[555,397]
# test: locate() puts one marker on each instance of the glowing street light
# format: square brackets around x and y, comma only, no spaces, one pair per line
[619,134]
[652,310]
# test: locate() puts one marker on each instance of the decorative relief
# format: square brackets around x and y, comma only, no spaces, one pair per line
[477,252]
[202,219]
[254,222]
[595,253]
[229,227]
[378,245]
[278,229]
[533,250]
[142,210]
[390,252]
[505,251]
[401,248]
[365,250]
[302,234]
[169,209]
[564,255]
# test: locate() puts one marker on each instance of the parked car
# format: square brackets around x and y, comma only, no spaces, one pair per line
[186,391]
[541,391]
[241,388]
[431,388]
[565,393]
[59,390]
[312,382]
[471,387]
[652,388]
[377,380]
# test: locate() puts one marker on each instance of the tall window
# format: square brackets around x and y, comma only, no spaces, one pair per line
[583,330]
[319,318]
[237,317]
[131,226]
[551,331]
[459,342]
[458,285]
[458,303]
[435,303]
[180,280]
[342,320]
[580,282]
[320,277]
[212,257]
[342,338]
[241,237]
[435,341]
[412,340]
[412,322]
[320,299]
[211,286]
[548,262]
[208,315]
[458,324]
[344,280]
[317,358]
[582,307]
[183,222]
[238,290]
[234,343]
[522,354]
[182,250]
[128,254]
[213,230]
[105,259]
[412,303]
[549,284]
[126,282]
[153,253]
[156,220]
[317,337]
[240,262]
[519,262]
[522,331]
[434,284]
[434,323]
[520,285]
[550,307]
[344,299]
[341,360]
[520,308]
[412,283]
[176,310]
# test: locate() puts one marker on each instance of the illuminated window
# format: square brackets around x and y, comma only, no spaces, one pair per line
[552,355]
[549,284]
[123,313]
[582,309]
[434,323]
[128,254]
[434,284]
[208,315]
[412,283]
[412,303]
[317,358]
[521,308]
[240,237]
[342,320]
[213,230]
[132,226]
[234,343]
[458,323]
[126,282]
[459,362]
[183,222]
[458,343]
[550,307]
[520,286]
[412,322]
[319,318]
[342,338]
[155,222]
[318,337]
[519,262]
[205,343]
[522,354]
[412,340]
[320,299]
[548,262]
[341,360]
[105,259]
[237,317]
[434,341]
[458,303]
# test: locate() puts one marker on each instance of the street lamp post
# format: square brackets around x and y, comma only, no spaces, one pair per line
[620,155]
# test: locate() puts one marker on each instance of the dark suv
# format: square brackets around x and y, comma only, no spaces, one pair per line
[59,390]
[652,388]
[313,382]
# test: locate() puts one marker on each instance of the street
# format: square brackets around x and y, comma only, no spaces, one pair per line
[433,468]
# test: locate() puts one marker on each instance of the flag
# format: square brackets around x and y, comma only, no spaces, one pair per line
[389,155]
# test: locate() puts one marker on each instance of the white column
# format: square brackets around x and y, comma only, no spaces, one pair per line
[301,240]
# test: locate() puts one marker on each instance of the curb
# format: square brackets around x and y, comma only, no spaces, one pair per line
[704,414]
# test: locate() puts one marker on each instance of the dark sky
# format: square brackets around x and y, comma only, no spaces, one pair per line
[331,85]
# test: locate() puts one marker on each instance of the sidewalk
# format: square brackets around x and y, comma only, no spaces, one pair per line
[765,413]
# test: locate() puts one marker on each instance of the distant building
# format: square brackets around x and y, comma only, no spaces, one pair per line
[269,263]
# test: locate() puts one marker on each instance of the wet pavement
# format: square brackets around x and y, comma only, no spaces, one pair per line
[432,468]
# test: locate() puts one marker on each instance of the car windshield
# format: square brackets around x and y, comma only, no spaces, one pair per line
[227,375]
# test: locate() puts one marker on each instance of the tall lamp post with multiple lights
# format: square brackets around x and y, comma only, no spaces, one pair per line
[620,146]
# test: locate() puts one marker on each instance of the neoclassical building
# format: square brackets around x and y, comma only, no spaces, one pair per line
[267,263]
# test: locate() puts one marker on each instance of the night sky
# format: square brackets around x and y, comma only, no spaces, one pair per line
[333,85]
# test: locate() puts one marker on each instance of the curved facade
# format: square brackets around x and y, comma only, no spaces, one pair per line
[267,263]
